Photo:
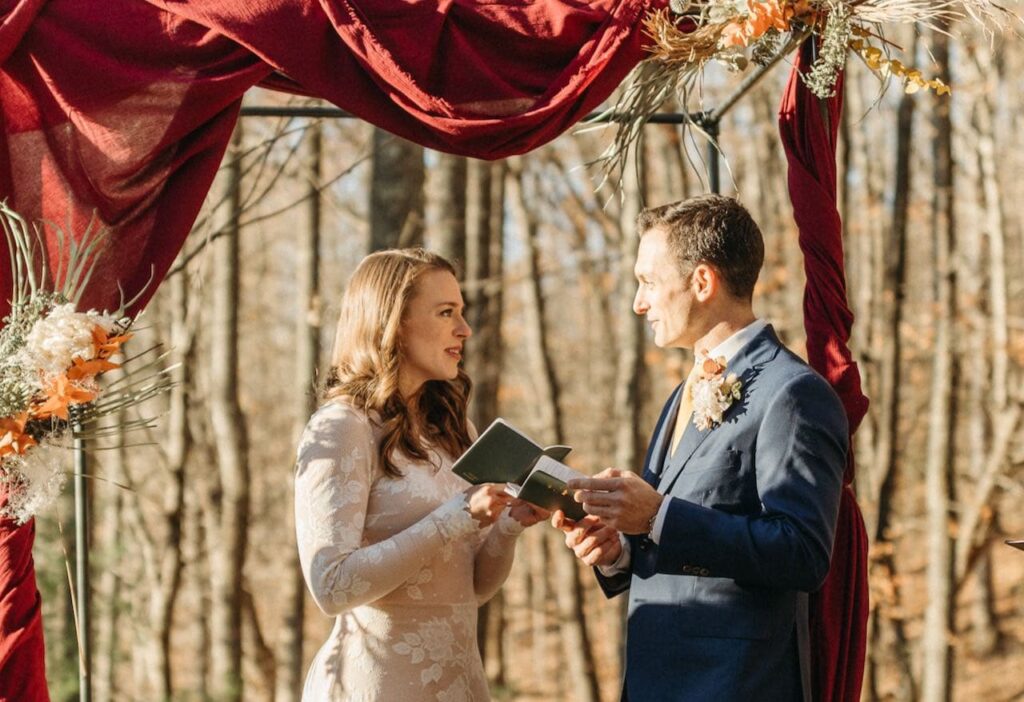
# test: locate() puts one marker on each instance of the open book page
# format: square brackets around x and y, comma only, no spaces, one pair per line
[557,452]
[556,469]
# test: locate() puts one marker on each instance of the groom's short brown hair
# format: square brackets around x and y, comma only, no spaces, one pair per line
[715,230]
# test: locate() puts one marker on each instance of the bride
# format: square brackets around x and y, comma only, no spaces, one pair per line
[393,544]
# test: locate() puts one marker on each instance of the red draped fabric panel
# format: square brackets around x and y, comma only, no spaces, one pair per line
[122,110]
[839,610]
[21,627]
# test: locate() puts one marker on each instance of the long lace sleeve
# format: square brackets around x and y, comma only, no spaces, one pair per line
[495,551]
[332,488]
[494,558]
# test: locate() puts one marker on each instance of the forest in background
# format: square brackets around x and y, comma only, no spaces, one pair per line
[196,589]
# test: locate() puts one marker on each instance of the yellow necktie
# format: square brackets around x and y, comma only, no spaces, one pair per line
[685,408]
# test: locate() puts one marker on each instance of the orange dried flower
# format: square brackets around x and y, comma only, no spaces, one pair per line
[712,366]
[61,394]
[87,370]
[761,16]
[106,346]
[13,439]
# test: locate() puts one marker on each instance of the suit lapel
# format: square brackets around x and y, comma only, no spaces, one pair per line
[691,439]
[662,436]
[745,364]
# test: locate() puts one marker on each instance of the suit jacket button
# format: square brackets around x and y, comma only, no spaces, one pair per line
[705,572]
[645,543]
[687,570]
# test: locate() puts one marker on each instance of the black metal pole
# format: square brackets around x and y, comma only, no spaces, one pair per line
[328,112]
[82,571]
[710,125]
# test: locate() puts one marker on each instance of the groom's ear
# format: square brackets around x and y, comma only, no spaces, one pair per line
[705,282]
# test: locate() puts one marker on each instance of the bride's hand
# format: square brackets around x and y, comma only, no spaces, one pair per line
[527,514]
[487,501]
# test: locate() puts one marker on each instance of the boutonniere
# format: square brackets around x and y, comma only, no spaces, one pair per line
[713,392]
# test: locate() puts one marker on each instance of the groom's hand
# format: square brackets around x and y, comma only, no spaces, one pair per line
[621,499]
[594,543]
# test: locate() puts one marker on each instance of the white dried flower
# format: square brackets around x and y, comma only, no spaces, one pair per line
[35,479]
[726,10]
[56,339]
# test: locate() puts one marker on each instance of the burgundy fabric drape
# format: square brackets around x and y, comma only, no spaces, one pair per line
[839,610]
[122,110]
[21,628]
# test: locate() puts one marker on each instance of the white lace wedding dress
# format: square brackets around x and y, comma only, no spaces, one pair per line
[398,561]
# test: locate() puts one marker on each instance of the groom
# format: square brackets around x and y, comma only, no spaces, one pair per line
[733,519]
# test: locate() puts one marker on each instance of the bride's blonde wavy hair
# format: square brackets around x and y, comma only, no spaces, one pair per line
[367,356]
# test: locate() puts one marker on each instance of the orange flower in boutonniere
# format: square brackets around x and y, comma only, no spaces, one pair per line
[713,392]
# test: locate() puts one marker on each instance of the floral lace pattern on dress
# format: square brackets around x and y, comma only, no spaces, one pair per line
[399,561]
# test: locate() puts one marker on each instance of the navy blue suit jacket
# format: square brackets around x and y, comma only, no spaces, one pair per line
[713,605]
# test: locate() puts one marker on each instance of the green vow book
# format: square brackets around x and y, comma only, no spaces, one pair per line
[546,487]
[503,454]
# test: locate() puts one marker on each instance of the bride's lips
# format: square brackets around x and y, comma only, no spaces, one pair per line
[454,351]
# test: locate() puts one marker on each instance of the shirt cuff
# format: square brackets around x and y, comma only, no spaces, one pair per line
[621,564]
[659,520]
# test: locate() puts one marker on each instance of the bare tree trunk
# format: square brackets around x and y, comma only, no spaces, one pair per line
[108,591]
[482,288]
[262,654]
[889,640]
[630,437]
[158,539]
[396,192]
[177,447]
[937,671]
[569,593]
[446,207]
[199,577]
[990,461]
[985,636]
[231,498]
[602,315]
[307,360]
